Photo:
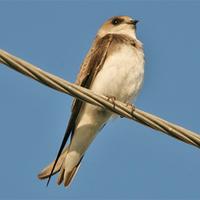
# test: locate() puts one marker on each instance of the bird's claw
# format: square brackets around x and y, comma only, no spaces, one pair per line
[132,107]
[112,99]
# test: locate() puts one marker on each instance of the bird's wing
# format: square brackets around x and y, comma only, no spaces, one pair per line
[89,69]
[100,50]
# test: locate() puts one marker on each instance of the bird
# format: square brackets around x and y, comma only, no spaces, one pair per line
[113,67]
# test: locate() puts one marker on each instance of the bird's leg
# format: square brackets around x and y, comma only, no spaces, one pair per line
[132,107]
[112,99]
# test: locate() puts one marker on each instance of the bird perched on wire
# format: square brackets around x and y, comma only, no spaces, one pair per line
[113,67]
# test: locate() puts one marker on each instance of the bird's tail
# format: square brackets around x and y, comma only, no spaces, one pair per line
[67,178]
[45,173]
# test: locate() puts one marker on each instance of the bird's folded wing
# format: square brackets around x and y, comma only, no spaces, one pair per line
[89,69]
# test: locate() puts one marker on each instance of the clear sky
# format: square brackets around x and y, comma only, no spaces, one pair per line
[127,160]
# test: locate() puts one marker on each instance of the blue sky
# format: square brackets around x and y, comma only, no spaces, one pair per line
[127,160]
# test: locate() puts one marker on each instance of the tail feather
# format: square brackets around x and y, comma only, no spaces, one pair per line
[64,177]
[67,177]
[60,176]
[71,176]
[45,173]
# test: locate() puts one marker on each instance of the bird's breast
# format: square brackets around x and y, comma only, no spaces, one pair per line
[122,74]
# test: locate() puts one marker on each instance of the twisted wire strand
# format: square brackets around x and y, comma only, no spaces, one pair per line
[87,95]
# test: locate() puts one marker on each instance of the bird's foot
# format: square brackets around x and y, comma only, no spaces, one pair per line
[112,99]
[132,107]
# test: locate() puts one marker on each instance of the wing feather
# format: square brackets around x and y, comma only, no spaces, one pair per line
[89,69]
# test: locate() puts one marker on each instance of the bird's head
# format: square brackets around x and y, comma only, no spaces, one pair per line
[119,25]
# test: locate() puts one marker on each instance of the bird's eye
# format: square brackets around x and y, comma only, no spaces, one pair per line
[115,21]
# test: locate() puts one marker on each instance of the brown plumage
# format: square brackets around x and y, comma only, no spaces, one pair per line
[102,47]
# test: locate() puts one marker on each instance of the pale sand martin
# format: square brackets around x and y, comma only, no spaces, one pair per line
[114,67]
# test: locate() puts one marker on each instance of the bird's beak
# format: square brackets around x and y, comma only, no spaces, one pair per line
[135,21]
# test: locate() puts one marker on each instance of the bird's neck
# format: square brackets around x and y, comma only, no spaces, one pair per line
[127,32]
[124,37]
